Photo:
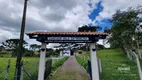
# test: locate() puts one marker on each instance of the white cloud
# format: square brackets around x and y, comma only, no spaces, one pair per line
[43,15]
[4,34]
[111,6]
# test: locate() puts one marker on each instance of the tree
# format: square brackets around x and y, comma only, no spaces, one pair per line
[125,33]
[13,44]
[100,47]
[35,47]
[49,52]
[1,48]
[107,30]
[89,28]
[124,28]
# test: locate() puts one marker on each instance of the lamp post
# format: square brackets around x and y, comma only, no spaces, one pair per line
[20,49]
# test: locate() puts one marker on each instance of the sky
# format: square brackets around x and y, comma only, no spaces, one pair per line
[57,15]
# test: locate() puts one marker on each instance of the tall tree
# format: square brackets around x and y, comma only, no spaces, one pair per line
[89,28]
[125,33]
[1,48]
[35,47]
[13,44]
[124,28]
[107,30]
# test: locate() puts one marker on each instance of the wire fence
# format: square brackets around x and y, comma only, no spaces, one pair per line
[6,71]
[29,70]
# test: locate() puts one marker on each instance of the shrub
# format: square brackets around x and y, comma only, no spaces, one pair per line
[5,54]
[83,60]
[28,53]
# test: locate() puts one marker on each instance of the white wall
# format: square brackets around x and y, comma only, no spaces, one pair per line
[66,52]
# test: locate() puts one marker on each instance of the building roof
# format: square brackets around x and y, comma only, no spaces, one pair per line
[68,33]
[67,37]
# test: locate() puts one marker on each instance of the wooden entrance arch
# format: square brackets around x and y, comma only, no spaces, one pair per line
[68,37]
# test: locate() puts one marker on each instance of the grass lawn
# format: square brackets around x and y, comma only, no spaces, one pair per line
[113,61]
[115,65]
[31,66]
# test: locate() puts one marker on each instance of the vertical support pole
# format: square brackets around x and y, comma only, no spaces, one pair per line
[61,53]
[42,62]
[94,62]
[69,52]
[100,66]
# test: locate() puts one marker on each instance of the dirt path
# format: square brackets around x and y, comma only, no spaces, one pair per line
[71,70]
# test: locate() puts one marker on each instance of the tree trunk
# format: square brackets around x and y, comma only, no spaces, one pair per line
[128,53]
[138,51]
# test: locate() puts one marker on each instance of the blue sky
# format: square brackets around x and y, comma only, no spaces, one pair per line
[103,23]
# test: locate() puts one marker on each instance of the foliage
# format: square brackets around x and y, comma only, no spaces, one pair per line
[51,52]
[5,54]
[35,47]
[13,45]
[100,47]
[83,60]
[124,29]
[29,53]
[48,68]
[107,30]
[89,28]
[1,48]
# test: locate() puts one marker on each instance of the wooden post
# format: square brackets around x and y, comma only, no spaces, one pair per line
[42,62]
[22,72]
[138,65]
[94,62]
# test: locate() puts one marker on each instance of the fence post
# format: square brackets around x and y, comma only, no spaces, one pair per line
[138,65]
[7,70]
[22,70]
[48,69]
[94,62]
[99,65]
[89,69]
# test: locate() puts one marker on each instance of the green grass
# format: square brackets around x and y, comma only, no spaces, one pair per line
[83,60]
[31,66]
[111,61]
[114,59]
